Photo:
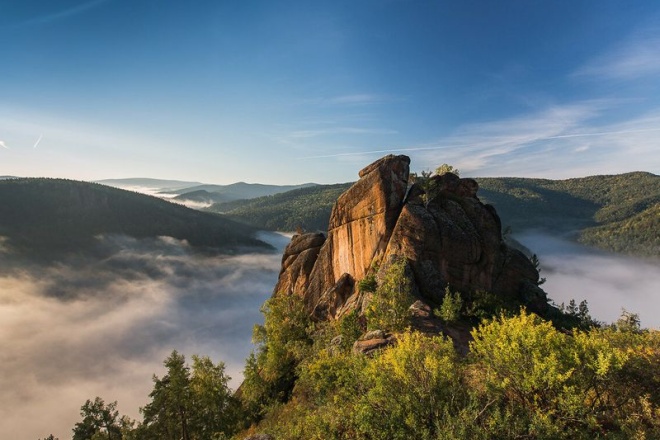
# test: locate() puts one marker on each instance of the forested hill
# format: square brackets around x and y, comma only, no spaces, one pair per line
[620,212]
[49,215]
[617,212]
[306,208]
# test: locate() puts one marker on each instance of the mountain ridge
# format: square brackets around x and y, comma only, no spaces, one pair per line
[590,209]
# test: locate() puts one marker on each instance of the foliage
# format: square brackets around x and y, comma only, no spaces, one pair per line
[484,305]
[522,379]
[410,388]
[628,322]
[368,284]
[189,405]
[446,168]
[388,308]
[284,340]
[450,308]
[349,328]
[560,386]
[537,265]
[99,421]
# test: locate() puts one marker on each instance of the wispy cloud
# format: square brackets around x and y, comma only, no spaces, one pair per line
[558,141]
[633,59]
[3,145]
[359,99]
[62,14]
[302,134]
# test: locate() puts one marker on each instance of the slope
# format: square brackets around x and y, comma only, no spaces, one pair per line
[54,215]
[306,208]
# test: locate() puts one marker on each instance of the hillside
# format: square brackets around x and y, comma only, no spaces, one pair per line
[615,212]
[308,208]
[618,212]
[46,215]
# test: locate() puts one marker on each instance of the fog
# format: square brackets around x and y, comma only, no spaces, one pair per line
[607,281]
[78,329]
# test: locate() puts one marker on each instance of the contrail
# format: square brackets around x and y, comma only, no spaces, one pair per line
[440,147]
[38,140]
[2,144]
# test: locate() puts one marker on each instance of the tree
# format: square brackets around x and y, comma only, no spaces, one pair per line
[214,409]
[283,342]
[100,421]
[166,416]
[388,308]
[450,309]
[446,168]
[189,404]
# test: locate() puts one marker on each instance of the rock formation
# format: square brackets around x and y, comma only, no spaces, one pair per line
[447,237]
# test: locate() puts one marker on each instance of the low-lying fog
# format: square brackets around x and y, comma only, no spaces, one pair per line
[607,281]
[76,331]
[84,329]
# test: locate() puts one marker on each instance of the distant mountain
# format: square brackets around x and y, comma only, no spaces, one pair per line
[64,215]
[235,191]
[198,194]
[618,212]
[141,184]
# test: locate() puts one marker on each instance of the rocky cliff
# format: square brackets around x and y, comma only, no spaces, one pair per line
[447,237]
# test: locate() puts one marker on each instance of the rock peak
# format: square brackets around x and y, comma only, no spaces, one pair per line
[448,238]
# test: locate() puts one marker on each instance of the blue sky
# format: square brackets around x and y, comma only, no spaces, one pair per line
[299,91]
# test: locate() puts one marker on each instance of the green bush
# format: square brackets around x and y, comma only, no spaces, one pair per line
[388,308]
[450,309]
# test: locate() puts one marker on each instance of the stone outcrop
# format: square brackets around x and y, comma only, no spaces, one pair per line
[447,236]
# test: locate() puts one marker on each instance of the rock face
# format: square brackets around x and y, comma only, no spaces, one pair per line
[449,239]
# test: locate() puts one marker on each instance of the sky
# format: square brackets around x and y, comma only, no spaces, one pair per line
[289,92]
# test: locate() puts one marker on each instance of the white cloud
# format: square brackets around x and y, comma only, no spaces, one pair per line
[632,59]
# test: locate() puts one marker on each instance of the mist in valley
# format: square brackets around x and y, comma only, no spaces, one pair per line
[609,282]
[77,329]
